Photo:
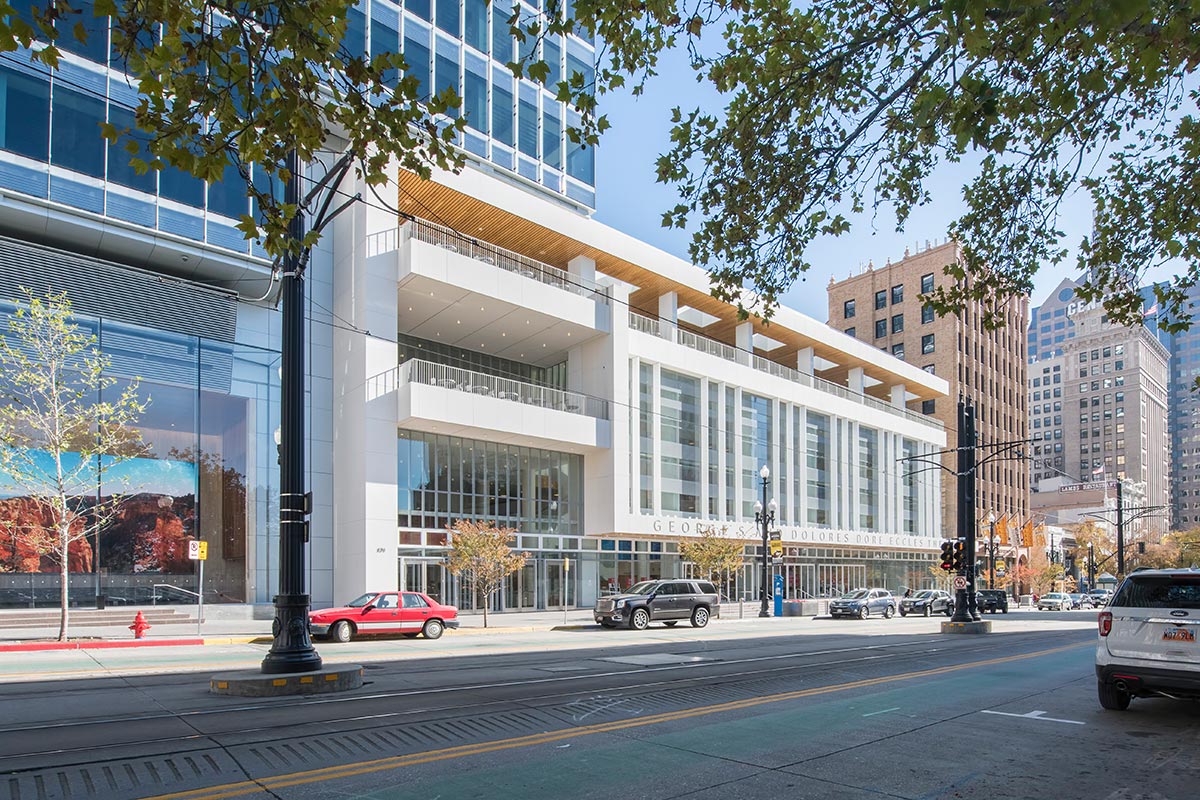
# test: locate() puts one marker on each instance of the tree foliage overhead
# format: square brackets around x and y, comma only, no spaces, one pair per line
[835,107]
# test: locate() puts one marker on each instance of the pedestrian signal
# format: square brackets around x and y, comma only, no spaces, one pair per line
[947,555]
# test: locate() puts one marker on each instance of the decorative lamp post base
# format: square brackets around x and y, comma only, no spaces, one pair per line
[292,650]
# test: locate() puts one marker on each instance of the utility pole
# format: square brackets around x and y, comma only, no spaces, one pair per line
[292,649]
[1120,528]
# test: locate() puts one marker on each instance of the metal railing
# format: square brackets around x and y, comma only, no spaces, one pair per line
[485,385]
[728,352]
[449,239]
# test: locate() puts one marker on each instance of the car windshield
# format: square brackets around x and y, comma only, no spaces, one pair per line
[923,594]
[857,594]
[359,602]
[645,587]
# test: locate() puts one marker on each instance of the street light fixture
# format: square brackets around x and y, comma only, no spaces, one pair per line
[764,520]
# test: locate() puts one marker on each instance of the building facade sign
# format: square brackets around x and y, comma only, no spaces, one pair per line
[672,526]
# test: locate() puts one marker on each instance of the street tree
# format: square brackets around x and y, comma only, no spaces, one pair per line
[714,555]
[63,429]
[481,557]
[835,108]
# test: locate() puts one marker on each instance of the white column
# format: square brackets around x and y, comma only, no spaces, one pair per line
[744,336]
[854,380]
[668,307]
[899,392]
[802,465]
[705,432]
[804,360]
[738,458]
[656,437]
[610,473]
[723,455]
[365,434]
[583,268]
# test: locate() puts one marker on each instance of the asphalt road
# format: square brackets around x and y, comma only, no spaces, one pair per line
[886,709]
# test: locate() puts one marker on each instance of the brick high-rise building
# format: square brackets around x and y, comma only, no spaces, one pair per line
[882,305]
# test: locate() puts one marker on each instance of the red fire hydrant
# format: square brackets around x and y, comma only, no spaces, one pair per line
[139,626]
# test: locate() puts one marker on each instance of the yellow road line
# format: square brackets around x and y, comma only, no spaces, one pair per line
[240,788]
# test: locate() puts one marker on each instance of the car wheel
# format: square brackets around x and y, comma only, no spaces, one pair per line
[639,620]
[928,610]
[1004,610]
[904,613]
[889,612]
[1111,697]
[433,629]
[671,623]
[699,617]
[864,612]
[341,631]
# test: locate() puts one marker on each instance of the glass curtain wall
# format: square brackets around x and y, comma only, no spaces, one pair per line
[817,464]
[208,472]
[679,415]
[909,470]
[757,441]
[868,479]
[646,438]
[442,479]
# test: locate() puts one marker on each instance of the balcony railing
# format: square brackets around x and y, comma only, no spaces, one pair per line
[704,344]
[485,385]
[449,239]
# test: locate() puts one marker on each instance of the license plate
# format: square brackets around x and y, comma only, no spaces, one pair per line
[1179,635]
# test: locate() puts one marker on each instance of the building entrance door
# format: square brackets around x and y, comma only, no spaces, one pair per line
[520,588]
[559,583]
[426,575]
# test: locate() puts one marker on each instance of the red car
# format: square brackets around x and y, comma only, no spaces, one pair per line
[408,613]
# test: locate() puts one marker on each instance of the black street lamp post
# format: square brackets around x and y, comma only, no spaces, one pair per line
[764,515]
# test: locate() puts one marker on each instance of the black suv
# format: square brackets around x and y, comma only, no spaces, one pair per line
[992,600]
[666,601]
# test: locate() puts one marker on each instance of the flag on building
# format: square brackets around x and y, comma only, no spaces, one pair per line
[1151,311]
[1027,533]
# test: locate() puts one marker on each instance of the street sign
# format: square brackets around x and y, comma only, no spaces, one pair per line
[1000,572]
[775,535]
[777,560]
[960,582]
[198,550]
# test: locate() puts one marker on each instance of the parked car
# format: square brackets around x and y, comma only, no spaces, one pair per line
[992,600]
[1054,601]
[408,613]
[1081,600]
[1147,645]
[862,603]
[1100,596]
[666,601]
[926,602]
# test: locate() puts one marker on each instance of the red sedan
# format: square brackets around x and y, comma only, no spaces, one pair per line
[408,613]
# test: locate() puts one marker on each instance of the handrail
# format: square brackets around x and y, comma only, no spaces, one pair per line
[154,595]
[417,370]
[715,347]
[449,239]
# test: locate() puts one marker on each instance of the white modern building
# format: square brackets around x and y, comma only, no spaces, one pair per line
[528,365]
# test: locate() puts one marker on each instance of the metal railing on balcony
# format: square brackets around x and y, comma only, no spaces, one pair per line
[449,239]
[484,385]
[728,352]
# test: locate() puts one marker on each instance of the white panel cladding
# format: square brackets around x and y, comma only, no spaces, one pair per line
[469,274]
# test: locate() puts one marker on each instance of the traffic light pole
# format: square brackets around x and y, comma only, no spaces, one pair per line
[964,599]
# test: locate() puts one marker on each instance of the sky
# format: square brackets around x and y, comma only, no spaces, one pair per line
[133,476]
[630,200]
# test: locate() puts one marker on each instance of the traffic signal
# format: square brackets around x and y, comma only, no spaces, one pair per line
[957,561]
[947,555]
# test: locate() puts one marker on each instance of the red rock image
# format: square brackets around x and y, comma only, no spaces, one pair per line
[28,540]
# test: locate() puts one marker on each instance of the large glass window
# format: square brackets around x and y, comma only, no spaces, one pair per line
[502,108]
[581,160]
[448,17]
[646,438]
[119,170]
[445,70]
[818,469]
[552,136]
[419,7]
[757,442]
[527,121]
[385,37]
[868,479]
[909,469]
[714,447]
[475,94]
[730,452]
[552,55]
[679,413]
[416,58]
[75,141]
[26,125]
[579,60]
[475,24]
[228,196]
[502,38]
[94,43]
[446,478]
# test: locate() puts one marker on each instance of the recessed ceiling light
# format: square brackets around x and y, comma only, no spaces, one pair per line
[481,308]
[410,308]
[526,322]
[458,322]
[504,334]
[543,344]
[431,294]
[568,333]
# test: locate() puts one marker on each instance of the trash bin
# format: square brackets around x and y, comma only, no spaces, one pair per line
[101,602]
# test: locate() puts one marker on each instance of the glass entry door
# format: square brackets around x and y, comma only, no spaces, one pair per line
[426,575]
[559,583]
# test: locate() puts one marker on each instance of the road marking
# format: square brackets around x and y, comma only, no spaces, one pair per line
[1034,715]
[884,711]
[267,785]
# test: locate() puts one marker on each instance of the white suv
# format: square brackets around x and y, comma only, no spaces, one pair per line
[1148,645]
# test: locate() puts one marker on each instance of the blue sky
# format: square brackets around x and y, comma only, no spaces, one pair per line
[630,200]
[137,475]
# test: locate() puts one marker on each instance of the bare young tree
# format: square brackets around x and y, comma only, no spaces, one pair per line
[61,431]
[481,558]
